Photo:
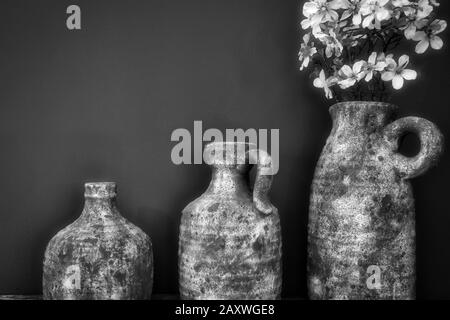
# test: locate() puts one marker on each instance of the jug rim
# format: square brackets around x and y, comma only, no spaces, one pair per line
[364,107]
[363,104]
[100,189]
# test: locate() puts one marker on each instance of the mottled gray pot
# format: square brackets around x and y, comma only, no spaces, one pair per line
[361,222]
[99,256]
[230,239]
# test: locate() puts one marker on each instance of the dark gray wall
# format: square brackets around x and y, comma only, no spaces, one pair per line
[101,103]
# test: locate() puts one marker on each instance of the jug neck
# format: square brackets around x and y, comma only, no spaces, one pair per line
[229,181]
[100,200]
[361,118]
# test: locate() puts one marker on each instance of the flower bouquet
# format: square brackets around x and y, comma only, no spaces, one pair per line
[350,44]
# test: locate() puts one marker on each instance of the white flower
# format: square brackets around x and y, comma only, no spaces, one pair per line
[375,11]
[343,35]
[306,52]
[321,8]
[424,9]
[332,43]
[351,9]
[374,64]
[349,76]
[412,24]
[386,59]
[430,36]
[309,23]
[320,11]
[323,82]
[397,73]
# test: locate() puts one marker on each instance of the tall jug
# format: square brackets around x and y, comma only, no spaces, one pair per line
[230,238]
[361,232]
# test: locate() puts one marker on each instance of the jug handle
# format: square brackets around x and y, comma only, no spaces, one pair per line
[263,179]
[431,145]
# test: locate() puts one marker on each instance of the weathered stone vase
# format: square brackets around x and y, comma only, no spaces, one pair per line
[361,232]
[99,256]
[230,238]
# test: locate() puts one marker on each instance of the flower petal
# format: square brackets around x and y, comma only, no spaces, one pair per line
[390,64]
[347,71]
[436,42]
[441,25]
[358,66]
[380,66]
[347,83]
[322,76]
[410,32]
[316,19]
[367,21]
[305,63]
[306,38]
[309,9]
[382,14]
[403,61]
[419,36]
[409,74]
[306,23]
[388,76]
[346,14]
[422,46]
[357,19]
[318,83]
[372,58]
[398,82]
[338,4]
[328,93]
